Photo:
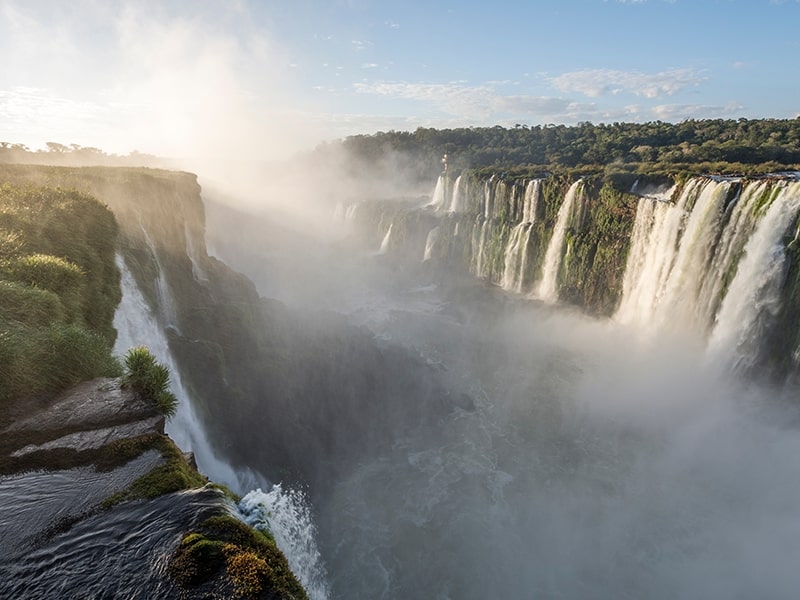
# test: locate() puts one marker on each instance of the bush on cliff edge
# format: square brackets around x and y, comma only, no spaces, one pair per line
[150,379]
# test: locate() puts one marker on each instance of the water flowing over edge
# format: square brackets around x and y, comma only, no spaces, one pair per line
[137,325]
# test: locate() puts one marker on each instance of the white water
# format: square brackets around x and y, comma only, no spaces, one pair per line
[286,515]
[137,326]
[678,303]
[516,255]
[683,255]
[385,242]
[548,286]
[458,200]
[479,236]
[289,516]
[439,200]
[430,243]
[166,303]
[198,272]
[531,202]
[594,465]
[753,298]
[488,195]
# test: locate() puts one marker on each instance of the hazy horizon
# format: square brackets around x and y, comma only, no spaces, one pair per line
[253,79]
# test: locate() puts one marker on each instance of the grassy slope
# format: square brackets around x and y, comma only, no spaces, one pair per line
[59,288]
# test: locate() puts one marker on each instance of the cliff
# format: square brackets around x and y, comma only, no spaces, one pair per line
[76,462]
[655,250]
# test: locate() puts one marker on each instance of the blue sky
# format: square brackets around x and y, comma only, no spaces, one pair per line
[273,77]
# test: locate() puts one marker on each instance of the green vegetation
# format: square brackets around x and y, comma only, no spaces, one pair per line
[173,476]
[149,379]
[247,558]
[59,288]
[721,146]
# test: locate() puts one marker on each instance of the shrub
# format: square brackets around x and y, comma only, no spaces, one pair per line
[29,305]
[149,379]
[35,360]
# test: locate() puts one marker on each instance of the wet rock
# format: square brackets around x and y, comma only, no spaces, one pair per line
[93,404]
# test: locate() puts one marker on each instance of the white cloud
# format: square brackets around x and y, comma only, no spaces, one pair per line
[678,112]
[133,75]
[601,82]
[482,104]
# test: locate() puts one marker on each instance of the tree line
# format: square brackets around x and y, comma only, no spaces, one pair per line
[730,144]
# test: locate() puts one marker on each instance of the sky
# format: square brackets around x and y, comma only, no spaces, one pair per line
[269,78]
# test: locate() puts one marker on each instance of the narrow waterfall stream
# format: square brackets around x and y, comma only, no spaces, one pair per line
[285,514]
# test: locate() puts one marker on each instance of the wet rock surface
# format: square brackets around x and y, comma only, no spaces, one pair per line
[91,404]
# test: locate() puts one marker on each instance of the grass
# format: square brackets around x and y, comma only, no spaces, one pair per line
[59,288]
[149,379]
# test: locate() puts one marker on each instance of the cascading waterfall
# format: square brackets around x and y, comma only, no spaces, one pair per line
[753,298]
[671,246]
[480,234]
[712,264]
[488,197]
[137,326]
[458,200]
[385,242]
[655,237]
[738,229]
[679,303]
[350,213]
[197,271]
[286,515]
[548,286]
[516,255]
[166,305]
[430,243]
[439,200]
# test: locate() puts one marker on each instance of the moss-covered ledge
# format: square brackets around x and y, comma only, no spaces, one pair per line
[228,556]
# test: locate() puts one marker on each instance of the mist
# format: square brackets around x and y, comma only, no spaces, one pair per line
[578,457]
[587,458]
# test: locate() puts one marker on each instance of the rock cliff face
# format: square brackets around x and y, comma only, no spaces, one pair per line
[663,253]
[68,464]
[60,466]
[290,391]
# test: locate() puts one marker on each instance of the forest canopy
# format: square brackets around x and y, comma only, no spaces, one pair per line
[730,145]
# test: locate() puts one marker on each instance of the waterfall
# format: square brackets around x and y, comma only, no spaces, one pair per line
[385,243]
[516,256]
[479,236]
[438,199]
[655,238]
[430,243]
[671,249]
[136,325]
[548,286]
[458,201]
[166,305]
[738,229]
[712,264]
[286,515]
[488,189]
[680,301]
[197,271]
[531,201]
[350,213]
[754,296]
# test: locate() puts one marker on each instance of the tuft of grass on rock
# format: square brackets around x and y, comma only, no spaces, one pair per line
[150,379]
